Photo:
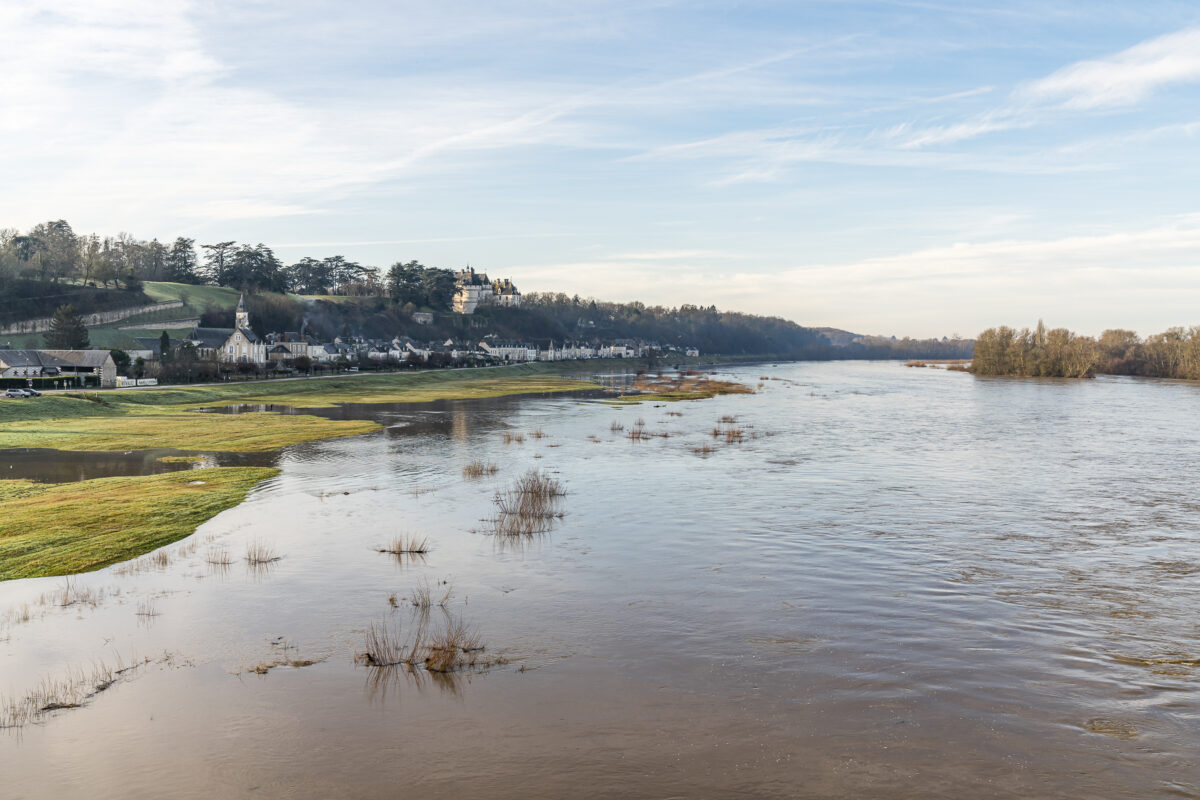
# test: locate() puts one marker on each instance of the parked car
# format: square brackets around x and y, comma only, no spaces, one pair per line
[15,393]
[32,392]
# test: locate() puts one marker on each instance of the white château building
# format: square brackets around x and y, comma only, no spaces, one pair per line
[473,289]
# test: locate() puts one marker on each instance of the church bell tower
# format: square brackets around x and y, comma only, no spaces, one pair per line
[241,317]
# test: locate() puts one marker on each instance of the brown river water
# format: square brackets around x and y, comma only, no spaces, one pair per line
[901,583]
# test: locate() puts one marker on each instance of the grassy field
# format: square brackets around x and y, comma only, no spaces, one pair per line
[147,429]
[60,529]
[196,299]
[154,418]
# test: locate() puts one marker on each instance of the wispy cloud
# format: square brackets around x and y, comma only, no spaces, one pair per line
[1121,79]
[1124,78]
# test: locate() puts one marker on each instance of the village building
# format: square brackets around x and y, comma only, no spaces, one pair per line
[238,344]
[71,366]
[509,351]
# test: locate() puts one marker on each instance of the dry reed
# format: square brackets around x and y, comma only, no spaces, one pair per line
[406,544]
[73,690]
[426,596]
[146,608]
[219,556]
[382,646]
[529,507]
[259,553]
[477,469]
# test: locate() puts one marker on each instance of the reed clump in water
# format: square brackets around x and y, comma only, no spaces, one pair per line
[514,438]
[427,595]
[638,432]
[382,646]
[538,433]
[453,648]
[219,556]
[406,544]
[530,507]
[74,690]
[704,450]
[260,553]
[71,594]
[457,646]
[617,426]
[478,469]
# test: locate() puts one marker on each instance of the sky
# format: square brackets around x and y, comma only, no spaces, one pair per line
[904,167]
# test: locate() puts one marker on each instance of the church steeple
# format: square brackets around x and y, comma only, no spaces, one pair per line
[241,317]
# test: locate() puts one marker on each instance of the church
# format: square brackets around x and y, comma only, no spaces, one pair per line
[238,344]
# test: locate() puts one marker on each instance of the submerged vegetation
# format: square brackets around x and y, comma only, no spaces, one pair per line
[73,690]
[455,647]
[406,544]
[1059,353]
[529,507]
[477,469]
[60,529]
[688,385]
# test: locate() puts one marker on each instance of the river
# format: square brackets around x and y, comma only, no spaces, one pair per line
[898,583]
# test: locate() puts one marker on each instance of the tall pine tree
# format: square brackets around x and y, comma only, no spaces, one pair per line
[67,331]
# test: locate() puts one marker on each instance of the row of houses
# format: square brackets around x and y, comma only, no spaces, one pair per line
[240,344]
[493,349]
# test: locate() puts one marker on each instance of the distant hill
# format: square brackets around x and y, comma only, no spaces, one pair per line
[838,337]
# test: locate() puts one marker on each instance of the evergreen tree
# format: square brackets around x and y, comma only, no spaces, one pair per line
[67,331]
[164,347]
[181,261]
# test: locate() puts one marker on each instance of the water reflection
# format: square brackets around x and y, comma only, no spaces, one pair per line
[59,466]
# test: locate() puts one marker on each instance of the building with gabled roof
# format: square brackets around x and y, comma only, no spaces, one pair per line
[66,364]
[238,344]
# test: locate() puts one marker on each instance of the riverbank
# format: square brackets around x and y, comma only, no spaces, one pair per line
[68,528]
[166,418]
[62,529]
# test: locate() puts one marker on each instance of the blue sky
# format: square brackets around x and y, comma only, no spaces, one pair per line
[898,167]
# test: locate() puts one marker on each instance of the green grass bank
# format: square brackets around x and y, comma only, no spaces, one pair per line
[61,529]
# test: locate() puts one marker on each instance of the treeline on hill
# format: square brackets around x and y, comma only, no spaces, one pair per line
[1059,353]
[52,252]
[709,329]
[51,265]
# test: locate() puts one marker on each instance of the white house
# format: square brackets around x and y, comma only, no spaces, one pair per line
[238,344]
[509,351]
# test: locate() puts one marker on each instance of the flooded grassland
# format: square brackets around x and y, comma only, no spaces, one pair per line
[860,580]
